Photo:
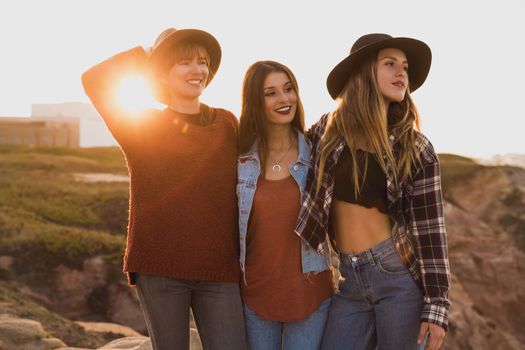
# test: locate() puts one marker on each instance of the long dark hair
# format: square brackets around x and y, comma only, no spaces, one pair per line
[252,126]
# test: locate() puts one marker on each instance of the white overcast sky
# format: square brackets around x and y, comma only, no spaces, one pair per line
[471,103]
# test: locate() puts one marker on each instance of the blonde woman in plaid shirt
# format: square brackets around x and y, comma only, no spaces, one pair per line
[375,190]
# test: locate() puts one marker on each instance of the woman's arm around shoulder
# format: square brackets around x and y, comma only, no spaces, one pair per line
[316,131]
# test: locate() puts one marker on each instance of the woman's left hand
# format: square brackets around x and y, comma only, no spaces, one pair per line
[435,336]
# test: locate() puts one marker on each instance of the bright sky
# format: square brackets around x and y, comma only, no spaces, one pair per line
[470,104]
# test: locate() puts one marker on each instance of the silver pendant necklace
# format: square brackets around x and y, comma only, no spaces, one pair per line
[276,167]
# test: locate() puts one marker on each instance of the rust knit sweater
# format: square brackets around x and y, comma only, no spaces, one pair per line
[183,208]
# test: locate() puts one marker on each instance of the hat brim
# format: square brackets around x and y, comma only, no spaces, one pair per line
[418,54]
[154,63]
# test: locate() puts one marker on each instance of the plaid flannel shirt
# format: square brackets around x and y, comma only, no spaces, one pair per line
[415,207]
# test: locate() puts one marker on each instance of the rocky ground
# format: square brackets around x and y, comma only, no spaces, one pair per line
[24,334]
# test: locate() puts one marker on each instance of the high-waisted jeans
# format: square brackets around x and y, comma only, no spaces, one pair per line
[378,304]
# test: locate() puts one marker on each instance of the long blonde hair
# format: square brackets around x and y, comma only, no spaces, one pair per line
[362,111]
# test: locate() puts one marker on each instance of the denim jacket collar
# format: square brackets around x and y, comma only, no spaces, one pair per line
[304,150]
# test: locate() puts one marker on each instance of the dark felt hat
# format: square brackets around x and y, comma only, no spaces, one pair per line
[418,55]
[166,41]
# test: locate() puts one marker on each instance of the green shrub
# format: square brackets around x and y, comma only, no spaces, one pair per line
[42,251]
[112,209]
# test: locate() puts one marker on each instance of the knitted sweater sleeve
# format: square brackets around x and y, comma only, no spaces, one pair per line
[101,83]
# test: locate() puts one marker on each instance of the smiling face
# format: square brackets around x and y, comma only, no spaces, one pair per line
[280,99]
[188,76]
[392,74]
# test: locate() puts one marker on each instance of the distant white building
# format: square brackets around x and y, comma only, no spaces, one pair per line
[67,109]
[37,131]
[93,131]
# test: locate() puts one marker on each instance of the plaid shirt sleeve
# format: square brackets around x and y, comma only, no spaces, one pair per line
[311,224]
[430,240]
[315,133]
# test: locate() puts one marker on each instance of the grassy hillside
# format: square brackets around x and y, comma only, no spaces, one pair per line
[48,218]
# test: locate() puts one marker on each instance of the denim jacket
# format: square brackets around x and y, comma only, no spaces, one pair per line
[248,170]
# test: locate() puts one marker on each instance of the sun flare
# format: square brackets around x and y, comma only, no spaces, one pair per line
[133,95]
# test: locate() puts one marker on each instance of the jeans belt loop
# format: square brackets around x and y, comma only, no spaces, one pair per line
[371,258]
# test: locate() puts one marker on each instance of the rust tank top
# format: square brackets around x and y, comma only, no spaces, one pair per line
[275,286]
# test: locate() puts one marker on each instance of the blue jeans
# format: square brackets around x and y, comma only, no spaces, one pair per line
[216,306]
[378,303]
[274,335]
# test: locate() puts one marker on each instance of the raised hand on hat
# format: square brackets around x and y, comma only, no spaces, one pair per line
[148,49]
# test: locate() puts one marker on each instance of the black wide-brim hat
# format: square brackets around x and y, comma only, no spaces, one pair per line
[417,52]
[167,41]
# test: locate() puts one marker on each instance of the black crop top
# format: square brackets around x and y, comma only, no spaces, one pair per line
[373,193]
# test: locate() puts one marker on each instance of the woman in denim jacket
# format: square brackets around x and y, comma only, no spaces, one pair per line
[287,285]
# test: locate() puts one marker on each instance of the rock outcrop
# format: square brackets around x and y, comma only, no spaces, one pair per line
[485,217]
[96,291]
[128,343]
[17,334]
[486,286]
[23,334]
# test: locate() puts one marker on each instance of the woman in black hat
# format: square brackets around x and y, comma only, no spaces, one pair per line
[182,247]
[375,190]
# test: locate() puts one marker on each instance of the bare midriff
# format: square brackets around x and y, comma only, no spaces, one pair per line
[358,228]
